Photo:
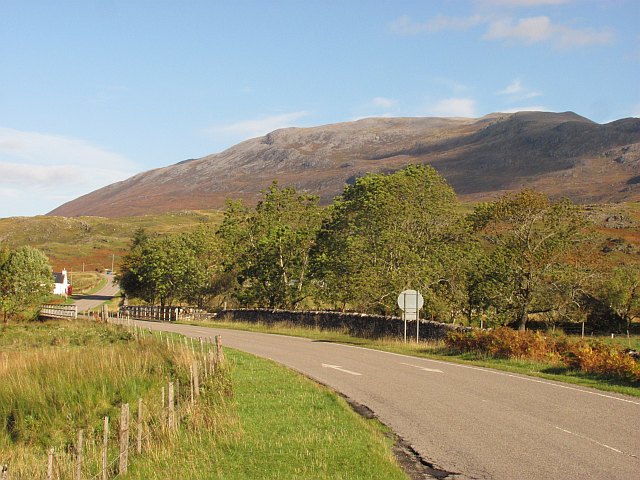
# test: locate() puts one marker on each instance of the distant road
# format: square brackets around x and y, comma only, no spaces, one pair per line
[474,423]
[106,293]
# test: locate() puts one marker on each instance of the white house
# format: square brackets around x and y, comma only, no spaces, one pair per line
[61,286]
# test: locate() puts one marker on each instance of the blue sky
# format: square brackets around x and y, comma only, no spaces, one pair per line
[94,91]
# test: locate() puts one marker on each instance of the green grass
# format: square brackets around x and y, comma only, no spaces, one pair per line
[254,420]
[289,428]
[438,351]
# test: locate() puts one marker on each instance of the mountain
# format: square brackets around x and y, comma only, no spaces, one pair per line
[562,154]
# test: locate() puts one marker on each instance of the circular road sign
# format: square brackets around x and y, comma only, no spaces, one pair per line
[410,301]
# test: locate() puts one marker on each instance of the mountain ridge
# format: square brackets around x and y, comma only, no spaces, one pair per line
[562,154]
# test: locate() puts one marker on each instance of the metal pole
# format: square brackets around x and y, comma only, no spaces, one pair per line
[417,319]
[404,316]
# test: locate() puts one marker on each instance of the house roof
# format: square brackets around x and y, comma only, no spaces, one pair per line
[58,277]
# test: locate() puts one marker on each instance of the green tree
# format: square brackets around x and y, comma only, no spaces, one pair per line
[170,268]
[528,237]
[622,292]
[25,279]
[391,232]
[268,249]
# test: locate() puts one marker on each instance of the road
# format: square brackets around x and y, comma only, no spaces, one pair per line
[106,293]
[472,422]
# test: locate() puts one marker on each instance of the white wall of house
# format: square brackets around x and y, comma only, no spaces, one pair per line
[61,284]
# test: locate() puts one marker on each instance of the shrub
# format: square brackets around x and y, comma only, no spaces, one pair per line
[503,343]
[589,357]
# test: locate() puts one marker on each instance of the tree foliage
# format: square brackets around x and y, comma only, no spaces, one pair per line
[267,249]
[391,232]
[25,279]
[527,237]
[622,292]
[168,269]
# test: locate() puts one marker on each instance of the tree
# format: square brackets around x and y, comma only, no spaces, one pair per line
[527,236]
[622,292]
[388,232]
[170,268]
[268,249]
[25,279]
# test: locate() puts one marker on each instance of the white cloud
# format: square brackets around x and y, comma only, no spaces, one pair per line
[404,25]
[382,102]
[516,91]
[38,171]
[532,30]
[258,126]
[453,107]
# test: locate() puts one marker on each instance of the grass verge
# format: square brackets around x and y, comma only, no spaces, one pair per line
[438,351]
[256,420]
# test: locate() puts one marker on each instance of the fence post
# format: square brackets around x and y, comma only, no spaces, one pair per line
[139,444]
[196,379]
[219,352]
[50,464]
[105,451]
[191,382]
[172,412]
[163,415]
[79,451]
[123,464]
[212,364]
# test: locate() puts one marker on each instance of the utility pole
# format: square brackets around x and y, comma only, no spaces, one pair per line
[113,259]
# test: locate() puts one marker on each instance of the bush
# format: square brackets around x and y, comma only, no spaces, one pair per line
[503,343]
[589,357]
[601,359]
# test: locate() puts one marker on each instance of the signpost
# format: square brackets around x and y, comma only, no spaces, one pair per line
[410,302]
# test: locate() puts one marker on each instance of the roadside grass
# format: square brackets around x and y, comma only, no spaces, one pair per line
[256,419]
[437,350]
[290,428]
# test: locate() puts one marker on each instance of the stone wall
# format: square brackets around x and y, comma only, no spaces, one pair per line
[356,324]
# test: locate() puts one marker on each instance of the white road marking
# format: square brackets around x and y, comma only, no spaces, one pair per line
[591,440]
[422,368]
[340,369]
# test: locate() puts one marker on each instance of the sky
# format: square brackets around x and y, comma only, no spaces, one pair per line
[95,91]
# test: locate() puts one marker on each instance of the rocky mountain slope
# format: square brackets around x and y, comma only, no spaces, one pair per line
[562,154]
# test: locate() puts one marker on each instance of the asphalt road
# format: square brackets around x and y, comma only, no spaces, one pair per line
[471,422]
[106,293]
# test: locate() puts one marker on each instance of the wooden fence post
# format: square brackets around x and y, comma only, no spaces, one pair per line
[163,415]
[212,363]
[123,464]
[4,472]
[79,452]
[105,451]
[139,443]
[50,464]
[219,352]
[196,379]
[172,411]
[191,382]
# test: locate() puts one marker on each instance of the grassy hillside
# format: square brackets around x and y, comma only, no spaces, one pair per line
[93,241]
